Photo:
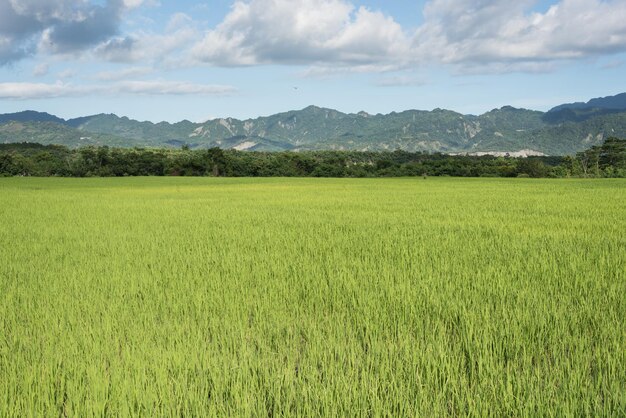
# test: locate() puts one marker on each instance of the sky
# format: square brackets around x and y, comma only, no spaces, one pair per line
[161,60]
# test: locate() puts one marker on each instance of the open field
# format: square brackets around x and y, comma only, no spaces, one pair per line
[312,297]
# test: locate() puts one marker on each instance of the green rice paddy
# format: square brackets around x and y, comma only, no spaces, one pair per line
[312,297]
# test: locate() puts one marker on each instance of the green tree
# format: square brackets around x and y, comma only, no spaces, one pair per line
[613,153]
[216,161]
[531,167]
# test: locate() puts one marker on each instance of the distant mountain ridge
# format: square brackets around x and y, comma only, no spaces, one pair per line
[30,116]
[617,102]
[582,111]
[565,130]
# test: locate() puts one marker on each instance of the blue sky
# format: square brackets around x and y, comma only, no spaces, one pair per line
[172,60]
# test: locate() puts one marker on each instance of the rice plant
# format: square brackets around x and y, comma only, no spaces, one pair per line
[312,297]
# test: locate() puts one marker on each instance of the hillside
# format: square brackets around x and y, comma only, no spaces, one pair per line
[563,130]
[48,133]
[617,102]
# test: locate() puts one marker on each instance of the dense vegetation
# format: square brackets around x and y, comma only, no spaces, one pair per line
[606,160]
[312,297]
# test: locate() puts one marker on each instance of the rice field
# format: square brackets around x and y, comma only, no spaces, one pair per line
[312,297]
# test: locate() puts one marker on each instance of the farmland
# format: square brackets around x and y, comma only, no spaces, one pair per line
[312,297]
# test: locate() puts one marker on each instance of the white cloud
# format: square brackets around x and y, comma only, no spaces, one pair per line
[497,32]
[168,49]
[326,36]
[132,4]
[302,32]
[41,69]
[172,88]
[470,35]
[178,21]
[327,71]
[23,91]
[125,74]
[37,90]
[48,10]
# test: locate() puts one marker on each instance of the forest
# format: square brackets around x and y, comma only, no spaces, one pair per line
[30,159]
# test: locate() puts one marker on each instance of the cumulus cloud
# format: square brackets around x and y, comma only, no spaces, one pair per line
[117,49]
[500,33]
[470,35]
[23,91]
[9,52]
[168,48]
[301,32]
[327,36]
[55,26]
[94,25]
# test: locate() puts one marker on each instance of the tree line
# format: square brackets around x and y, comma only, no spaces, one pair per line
[28,159]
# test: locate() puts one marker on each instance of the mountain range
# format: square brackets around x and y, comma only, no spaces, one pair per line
[565,129]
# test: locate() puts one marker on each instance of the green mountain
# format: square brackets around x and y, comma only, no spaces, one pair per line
[565,130]
[617,102]
[315,128]
[123,127]
[48,133]
[29,116]
[580,112]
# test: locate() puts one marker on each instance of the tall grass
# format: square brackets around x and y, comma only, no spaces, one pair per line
[316,297]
